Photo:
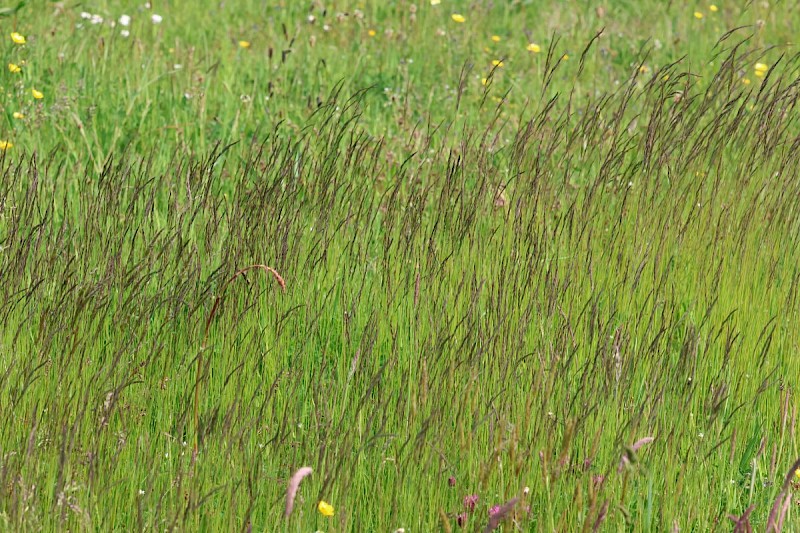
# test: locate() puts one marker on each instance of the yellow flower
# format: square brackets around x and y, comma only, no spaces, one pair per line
[458,18]
[18,115]
[324,508]
[17,38]
[497,63]
[5,145]
[644,69]
[436,2]
[496,38]
[37,94]
[713,8]
[564,57]
[535,48]
[698,15]
[760,69]
[746,81]
[666,77]
[372,33]
[14,68]
[244,44]
[797,473]
[484,81]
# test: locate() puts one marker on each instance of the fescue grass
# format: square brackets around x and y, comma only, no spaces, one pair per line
[567,286]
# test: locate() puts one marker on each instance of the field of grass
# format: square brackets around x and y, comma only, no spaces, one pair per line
[513,266]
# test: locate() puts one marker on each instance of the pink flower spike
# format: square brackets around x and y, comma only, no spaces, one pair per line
[291,490]
[624,460]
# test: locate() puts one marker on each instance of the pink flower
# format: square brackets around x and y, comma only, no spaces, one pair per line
[461,520]
[494,510]
[451,481]
[470,502]
[291,490]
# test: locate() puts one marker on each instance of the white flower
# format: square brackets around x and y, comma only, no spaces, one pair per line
[125,20]
[85,15]
[125,33]
[156,18]
[96,19]
[177,66]
[141,492]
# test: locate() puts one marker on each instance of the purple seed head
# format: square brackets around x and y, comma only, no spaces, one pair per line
[451,481]
[461,520]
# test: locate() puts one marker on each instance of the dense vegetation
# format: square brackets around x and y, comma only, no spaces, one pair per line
[485,266]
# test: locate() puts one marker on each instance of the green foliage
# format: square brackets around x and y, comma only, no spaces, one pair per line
[501,279]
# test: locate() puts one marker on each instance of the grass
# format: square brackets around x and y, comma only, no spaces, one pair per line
[562,290]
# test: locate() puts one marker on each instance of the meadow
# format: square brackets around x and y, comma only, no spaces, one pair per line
[488,266]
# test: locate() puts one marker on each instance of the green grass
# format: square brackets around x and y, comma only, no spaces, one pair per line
[498,279]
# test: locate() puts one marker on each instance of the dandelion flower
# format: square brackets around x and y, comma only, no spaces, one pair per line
[37,94]
[498,63]
[14,68]
[698,15]
[18,115]
[713,8]
[535,48]
[372,33]
[436,2]
[496,38]
[5,145]
[324,508]
[17,38]
[244,44]
[458,18]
